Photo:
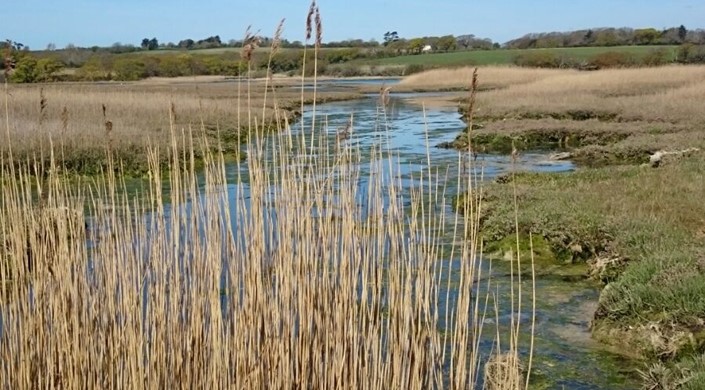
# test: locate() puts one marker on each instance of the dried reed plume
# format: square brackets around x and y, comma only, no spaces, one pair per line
[172,112]
[471,110]
[309,20]
[276,43]
[42,107]
[106,123]
[249,45]
[277,40]
[319,28]
[384,96]
[64,121]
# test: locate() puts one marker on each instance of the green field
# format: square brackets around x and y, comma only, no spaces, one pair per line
[499,57]
[223,50]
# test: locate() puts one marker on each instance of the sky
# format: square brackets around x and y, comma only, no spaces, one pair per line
[86,23]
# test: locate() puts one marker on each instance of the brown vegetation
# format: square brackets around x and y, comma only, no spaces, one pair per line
[608,116]
[141,114]
[282,279]
[141,293]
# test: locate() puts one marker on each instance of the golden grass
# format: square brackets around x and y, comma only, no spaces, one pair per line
[288,277]
[141,114]
[657,94]
[294,280]
[492,77]
[615,115]
[665,94]
[147,294]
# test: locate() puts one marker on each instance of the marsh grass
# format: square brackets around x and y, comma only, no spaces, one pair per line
[641,232]
[665,94]
[217,290]
[140,115]
[289,277]
[606,117]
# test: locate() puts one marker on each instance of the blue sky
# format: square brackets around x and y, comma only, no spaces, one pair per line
[104,22]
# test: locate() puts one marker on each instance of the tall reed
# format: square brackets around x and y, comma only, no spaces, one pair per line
[294,275]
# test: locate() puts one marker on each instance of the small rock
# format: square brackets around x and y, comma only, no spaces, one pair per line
[576,248]
[655,159]
[561,156]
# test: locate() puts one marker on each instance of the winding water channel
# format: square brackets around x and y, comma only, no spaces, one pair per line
[565,356]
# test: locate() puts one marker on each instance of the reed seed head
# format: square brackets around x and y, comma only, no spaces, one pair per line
[276,42]
[172,111]
[42,106]
[250,44]
[309,20]
[64,120]
[319,28]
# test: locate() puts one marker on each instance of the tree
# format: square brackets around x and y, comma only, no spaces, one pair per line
[47,68]
[95,68]
[606,38]
[447,43]
[128,69]
[186,44]
[25,70]
[150,44]
[390,37]
[416,45]
[398,47]
[683,53]
[682,33]
[118,48]
[646,36]
[465,41]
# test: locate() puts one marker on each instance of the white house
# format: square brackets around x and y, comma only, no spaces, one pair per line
[427,49]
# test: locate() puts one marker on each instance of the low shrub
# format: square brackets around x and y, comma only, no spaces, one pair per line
[613,59]
[538,59]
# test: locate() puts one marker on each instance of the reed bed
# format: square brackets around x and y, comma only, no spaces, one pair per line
[292,275]
[669,94]
[141,114]
[297,280]
[492,76]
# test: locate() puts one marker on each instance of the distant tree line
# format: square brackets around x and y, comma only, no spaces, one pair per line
[609,37]
[122,62]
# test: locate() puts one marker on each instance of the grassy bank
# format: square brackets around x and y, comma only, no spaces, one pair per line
[603,117]
[640,229]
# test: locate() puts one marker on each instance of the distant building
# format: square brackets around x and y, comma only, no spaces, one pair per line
[427,49]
